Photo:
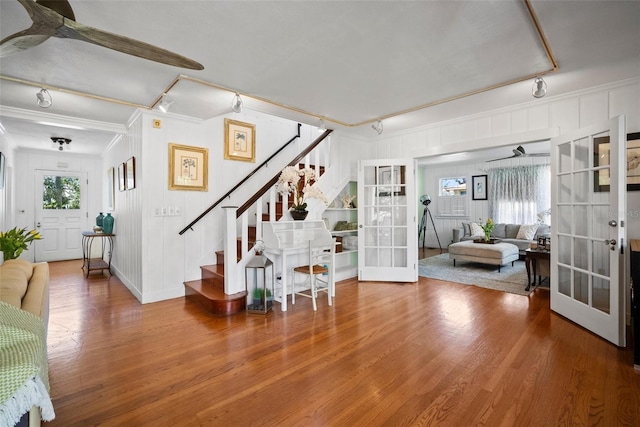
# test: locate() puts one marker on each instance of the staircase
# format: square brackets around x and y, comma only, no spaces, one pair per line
[209,290]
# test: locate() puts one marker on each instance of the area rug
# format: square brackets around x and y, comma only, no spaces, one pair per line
[509,279]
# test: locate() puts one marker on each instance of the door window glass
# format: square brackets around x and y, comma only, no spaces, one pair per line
[61,192]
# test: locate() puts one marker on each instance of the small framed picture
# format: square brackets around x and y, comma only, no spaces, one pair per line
[542,243]
[479,191]
[239,141]
[131,173]
[122,177]
[188,168]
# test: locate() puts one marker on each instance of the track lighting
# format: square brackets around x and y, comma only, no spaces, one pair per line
[236,104]
[539,88]
[44,98]
[165,103]
[61,141]
[377,126]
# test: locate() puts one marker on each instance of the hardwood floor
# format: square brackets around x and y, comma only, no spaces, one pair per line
[386,354]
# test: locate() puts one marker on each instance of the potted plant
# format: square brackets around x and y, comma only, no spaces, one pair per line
[299,183]
[487,228]
[257,297]
[14,241]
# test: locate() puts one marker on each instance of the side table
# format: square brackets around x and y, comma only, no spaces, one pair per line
[531,258]
[96,263]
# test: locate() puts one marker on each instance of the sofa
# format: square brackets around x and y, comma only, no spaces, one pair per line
[24,287]
[521,235]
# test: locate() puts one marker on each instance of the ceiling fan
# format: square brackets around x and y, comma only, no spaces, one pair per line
[520,153]
[55,18]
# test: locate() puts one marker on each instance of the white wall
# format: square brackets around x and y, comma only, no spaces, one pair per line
[518,124]
[151,258]
[25,166]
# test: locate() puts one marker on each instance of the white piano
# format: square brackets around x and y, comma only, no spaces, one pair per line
[284,239]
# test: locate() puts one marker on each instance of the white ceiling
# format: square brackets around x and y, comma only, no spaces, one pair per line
[350,62]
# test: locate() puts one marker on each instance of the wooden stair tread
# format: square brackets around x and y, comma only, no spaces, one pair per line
[212,292]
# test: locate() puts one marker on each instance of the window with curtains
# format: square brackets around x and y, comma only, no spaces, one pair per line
[520,195]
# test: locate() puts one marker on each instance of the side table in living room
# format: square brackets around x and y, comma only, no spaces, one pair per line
[532,256]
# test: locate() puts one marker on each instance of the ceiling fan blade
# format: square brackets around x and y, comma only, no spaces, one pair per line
[45,22]
[77,31]
[21,41]
[503,158]
[539,155]
[56,18]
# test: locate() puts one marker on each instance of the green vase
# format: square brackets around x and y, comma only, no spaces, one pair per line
[107,224]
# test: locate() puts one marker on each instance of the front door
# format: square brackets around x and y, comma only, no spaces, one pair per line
[588,233]
[61,214]
[387,227]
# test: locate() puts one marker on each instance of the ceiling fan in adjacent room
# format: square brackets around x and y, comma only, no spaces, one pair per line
[519,153]
[55,18]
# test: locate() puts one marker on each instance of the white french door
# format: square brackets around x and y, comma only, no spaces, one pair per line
[387,227]
[61,214]
[588,202]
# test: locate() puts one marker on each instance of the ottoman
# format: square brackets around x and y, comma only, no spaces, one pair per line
[495,254]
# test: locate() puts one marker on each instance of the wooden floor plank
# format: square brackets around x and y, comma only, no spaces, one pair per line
[429,353]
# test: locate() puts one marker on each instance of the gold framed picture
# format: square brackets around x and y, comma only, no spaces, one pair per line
[239,141]
[188,168]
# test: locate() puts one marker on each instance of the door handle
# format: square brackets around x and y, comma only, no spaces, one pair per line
[613,223]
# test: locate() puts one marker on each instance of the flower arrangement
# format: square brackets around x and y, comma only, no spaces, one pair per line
[487,227]
[299,183]
[14,241]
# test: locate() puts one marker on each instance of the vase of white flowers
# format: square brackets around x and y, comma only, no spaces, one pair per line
[300,184]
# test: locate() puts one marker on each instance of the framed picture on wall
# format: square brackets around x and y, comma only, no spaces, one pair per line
[479,187]
[131,173]
[122,177]
[239,141]
[111,183]
[384,180]
[2,170]
[601,157]
[188,168]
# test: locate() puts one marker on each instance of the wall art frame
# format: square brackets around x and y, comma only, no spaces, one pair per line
[111,189]
[122,177]
[239,141]
[479,187]
[3,167]
[188,168]
[601,178]
[383,180]
[131,173]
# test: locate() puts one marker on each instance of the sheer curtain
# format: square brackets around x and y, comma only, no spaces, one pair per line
[520,195]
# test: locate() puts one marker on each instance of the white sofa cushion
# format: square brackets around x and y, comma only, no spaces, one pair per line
[527,231]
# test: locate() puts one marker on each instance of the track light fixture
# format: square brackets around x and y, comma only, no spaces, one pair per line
[539,88]
[44,98]
[165,103]
[60,141]
[236,104]
[377,126]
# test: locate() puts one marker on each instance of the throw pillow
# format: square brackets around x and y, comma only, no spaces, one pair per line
[476,230]
[527,232]
[467,228]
